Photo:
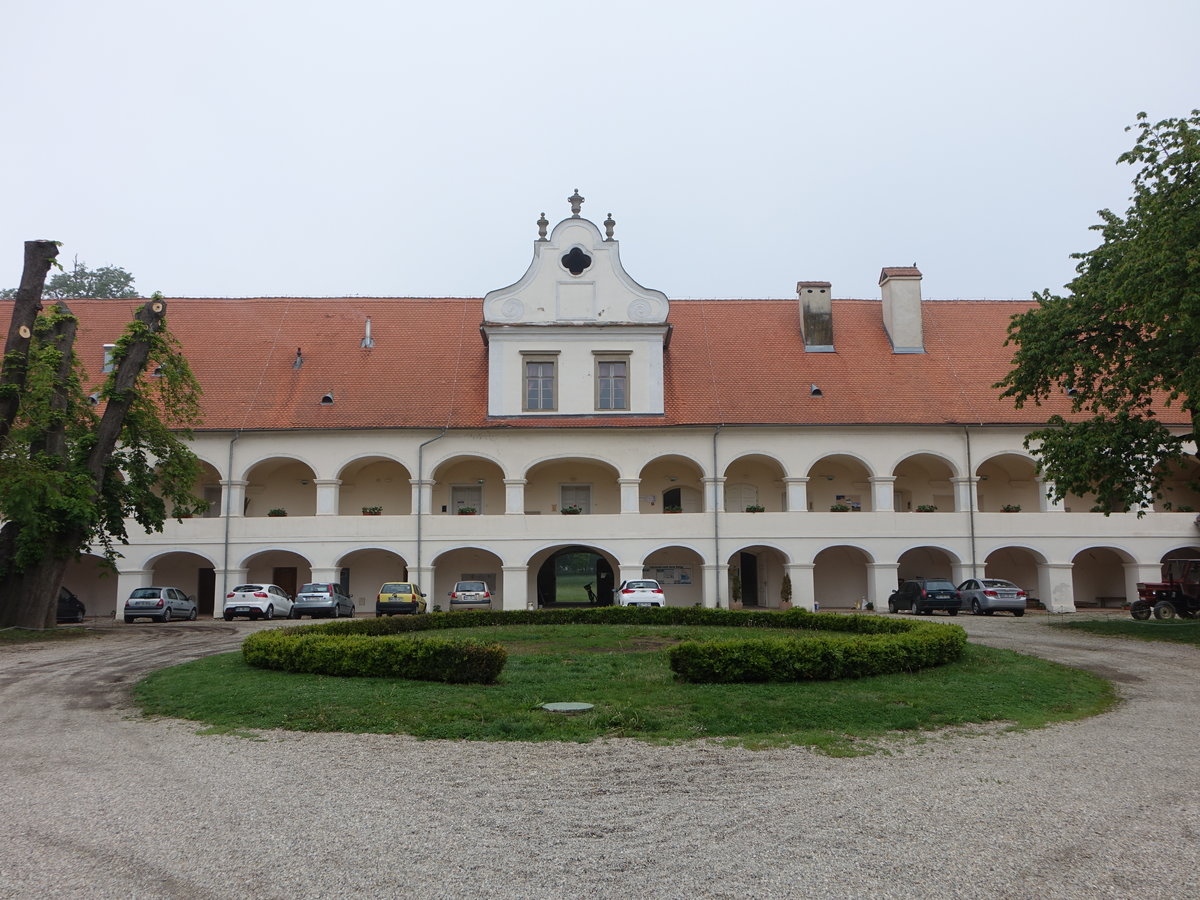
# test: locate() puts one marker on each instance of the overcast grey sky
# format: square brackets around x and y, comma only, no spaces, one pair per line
[360,147]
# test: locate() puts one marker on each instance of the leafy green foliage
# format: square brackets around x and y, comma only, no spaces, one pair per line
[53,497]
[104,283]
[451,661]
[1123,343]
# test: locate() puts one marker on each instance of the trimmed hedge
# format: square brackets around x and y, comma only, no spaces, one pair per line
[354,647]
[816,659]
[433,659]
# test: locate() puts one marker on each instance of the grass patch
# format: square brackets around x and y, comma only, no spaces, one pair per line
[622,670]
[29,636]
[1178,631]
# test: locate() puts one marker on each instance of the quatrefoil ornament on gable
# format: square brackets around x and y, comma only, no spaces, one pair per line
[576,261]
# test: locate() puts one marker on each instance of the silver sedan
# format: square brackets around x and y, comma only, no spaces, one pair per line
[984,596]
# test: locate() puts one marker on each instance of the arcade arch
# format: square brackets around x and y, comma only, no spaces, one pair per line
[557,484]
[1098,576]
[841,578]
[466,564]
[758,571]
[924,480]
[1008,480]
[362,571]
[839,480]
[375,481]
[468,482]
[284,568]
[280,483]
[754,480]
[671,483]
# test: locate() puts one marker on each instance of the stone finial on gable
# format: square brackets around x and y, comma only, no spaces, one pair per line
[576,203]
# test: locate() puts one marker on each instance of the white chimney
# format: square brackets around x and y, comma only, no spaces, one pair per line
[816,315]
[901,288]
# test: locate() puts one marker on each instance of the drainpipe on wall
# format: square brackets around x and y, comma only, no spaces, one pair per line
[716,517]
[228,513]
[971,501]
[421,491]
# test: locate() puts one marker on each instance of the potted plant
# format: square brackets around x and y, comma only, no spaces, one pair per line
[467,510]
[571,510]
[372,510]
[1011,507]
[735,588]
[756,508]
[785,592]
[277,512]
[672,509]
[840,507]
[926,507]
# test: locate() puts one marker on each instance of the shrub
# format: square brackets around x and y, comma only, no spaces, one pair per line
[887,644]
[816,659]
[435,659]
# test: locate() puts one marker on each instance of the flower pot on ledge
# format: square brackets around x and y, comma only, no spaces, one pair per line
[466,510]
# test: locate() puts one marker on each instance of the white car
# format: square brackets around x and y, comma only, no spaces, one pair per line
[256,601]
[641,592]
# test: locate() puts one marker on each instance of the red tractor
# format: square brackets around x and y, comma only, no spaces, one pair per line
[1178,594]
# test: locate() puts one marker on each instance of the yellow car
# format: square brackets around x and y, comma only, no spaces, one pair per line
[401,597]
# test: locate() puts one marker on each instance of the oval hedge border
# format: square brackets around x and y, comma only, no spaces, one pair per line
[377,647]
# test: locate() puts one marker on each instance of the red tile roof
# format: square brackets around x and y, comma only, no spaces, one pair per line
[730,361]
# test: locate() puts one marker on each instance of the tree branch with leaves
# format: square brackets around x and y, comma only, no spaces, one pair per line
[1124,343]
[71,478]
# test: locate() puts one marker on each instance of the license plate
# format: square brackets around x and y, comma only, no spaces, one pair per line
[241,609]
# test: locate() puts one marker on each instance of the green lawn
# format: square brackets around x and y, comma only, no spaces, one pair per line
[1180,631]
[622,670]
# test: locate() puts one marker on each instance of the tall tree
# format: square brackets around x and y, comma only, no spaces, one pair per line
[70,477]
[1125,342]
[104,283]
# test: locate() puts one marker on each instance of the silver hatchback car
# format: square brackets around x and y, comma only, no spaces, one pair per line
[984,596]
[160,603]
[324,598]
[470,595]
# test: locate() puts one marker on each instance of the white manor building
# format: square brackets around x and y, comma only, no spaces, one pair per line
[848,444]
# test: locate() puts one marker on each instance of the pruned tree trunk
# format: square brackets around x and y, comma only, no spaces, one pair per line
[28,598]
[39,256]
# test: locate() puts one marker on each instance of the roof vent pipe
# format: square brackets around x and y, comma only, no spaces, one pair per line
[367,342]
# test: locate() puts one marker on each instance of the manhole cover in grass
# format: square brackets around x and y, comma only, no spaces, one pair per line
[566,708]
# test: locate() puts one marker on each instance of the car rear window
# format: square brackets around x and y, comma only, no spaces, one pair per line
[247,588]
[470,586]
[144,594]
[643,585]
[939,586]
[317,589]
[396,587]
[997,584]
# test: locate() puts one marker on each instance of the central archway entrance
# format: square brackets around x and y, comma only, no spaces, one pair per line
[575,576]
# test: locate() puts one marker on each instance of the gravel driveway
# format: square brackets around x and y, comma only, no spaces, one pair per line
[97,802]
